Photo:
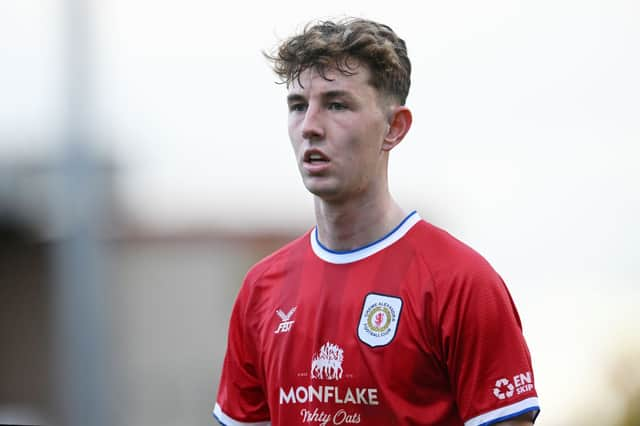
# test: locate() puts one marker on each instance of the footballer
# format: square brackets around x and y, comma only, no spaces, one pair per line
[374,316]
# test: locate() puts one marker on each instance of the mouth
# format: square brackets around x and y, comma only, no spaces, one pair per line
[315,162]
[315,157]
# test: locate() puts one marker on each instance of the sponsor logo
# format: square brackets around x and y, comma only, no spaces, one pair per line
[329,395]
[519,384]
[323,418]
[379,319]
[327,363]
[286,323]
[503,389]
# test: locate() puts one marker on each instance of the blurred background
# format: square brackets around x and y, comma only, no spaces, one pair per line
[145,165]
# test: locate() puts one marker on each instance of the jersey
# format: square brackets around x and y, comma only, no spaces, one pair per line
[413,329]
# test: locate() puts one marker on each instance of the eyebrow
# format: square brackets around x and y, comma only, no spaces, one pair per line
[295,97]
[337,94]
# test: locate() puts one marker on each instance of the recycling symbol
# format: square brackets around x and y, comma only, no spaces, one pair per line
[503,389]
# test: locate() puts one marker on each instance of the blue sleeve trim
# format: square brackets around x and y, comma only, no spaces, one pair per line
[513,415]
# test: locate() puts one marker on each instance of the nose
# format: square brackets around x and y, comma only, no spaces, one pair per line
[312,124]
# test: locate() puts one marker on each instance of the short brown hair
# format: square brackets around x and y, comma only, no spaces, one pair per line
[328,44]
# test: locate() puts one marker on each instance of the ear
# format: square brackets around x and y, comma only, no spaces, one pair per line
[400,120]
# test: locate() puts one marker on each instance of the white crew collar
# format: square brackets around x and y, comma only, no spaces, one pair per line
[349,256]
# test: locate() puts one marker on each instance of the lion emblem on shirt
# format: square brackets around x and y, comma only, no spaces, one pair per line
[327,363]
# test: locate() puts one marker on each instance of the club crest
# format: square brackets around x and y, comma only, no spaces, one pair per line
[379,319]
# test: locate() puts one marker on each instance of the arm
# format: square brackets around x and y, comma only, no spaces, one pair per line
[524,420]
[241,398]
[484,349]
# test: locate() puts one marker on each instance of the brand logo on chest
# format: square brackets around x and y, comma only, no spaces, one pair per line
[286,323]
[379,319]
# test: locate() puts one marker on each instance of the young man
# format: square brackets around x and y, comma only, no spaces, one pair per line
[373,317]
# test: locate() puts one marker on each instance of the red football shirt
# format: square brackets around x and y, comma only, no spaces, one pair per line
[413,329]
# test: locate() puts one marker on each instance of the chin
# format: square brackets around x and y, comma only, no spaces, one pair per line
[322,191]
[330,196]
[327,188]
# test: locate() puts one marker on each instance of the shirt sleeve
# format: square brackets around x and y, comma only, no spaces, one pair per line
[241,398]
[486,355]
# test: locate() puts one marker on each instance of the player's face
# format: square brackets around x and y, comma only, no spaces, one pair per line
[337,128]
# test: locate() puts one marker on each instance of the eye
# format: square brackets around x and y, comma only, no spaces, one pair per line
[297,107]
[337,106]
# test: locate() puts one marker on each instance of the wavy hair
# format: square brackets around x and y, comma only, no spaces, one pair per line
[344,45]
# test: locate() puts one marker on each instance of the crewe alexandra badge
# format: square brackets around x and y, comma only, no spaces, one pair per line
[379,319]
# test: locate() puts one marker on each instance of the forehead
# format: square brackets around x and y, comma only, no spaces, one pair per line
[312,81]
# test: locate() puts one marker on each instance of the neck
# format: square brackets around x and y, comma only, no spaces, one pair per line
[355,223]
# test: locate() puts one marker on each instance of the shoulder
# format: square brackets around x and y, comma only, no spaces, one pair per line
[264,281]
[455,270]
[285,257]
[445,254]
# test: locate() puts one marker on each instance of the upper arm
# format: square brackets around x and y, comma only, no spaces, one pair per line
[524,420]
[241,395]
[486,356]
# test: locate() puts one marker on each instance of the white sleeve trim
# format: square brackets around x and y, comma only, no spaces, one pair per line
[228,421]
[504,413]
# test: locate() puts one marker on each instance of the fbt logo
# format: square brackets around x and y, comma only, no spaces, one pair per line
[286,323]
[519,384]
